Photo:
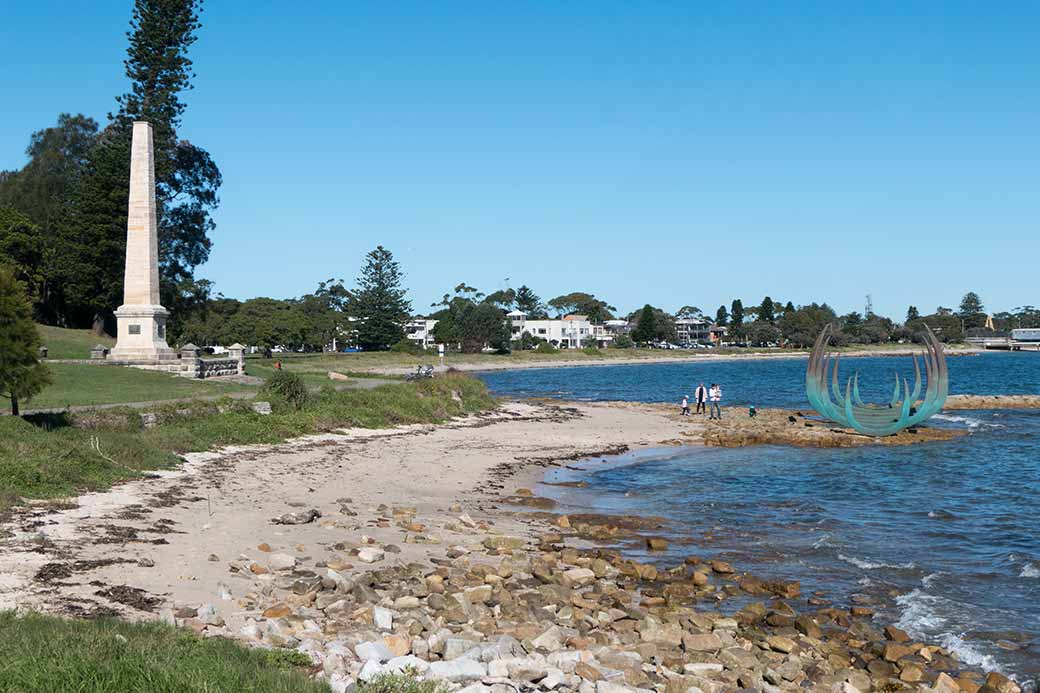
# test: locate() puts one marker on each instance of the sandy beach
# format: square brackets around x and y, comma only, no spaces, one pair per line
[171,526]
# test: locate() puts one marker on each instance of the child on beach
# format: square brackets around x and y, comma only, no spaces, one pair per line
[685,406]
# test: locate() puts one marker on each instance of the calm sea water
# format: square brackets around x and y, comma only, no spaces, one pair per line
[943,537]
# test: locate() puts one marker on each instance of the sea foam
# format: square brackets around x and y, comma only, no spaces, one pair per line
[870,565]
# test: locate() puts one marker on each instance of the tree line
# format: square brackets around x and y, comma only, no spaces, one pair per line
[63,215]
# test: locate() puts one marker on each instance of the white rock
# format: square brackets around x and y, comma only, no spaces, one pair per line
[371,670]
[565,660]
[374,650]
[341,683]
[504,647]
[370,554]
[526,669]
[281,561]
[207,613]
[477,687]
[383,618]
[702,668]
[399,664]
[406,602]
[458,647]
[578,577]
[457,670]
[498,668]
[551,640]
[610,687]
[166,616]
[553,679]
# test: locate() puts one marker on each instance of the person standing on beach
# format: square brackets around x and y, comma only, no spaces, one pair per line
[685,405]
[714,402]
[701,397]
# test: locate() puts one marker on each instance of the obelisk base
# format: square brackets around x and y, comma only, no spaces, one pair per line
[141,335]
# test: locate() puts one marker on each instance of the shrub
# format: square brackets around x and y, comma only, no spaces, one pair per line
[546,348]
[592,351]
[623,341]
[287,387]
[401,683]
[407,346]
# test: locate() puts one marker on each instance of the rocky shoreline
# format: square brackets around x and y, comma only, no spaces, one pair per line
[442,570]
[804,428]
[534,613]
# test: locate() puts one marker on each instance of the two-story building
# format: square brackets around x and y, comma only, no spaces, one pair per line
[696,330]
[568,332]
[420,331]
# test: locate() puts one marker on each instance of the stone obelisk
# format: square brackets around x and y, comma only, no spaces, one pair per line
[141,320]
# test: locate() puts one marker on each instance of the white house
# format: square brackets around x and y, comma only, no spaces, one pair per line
[420,331]
[569,332]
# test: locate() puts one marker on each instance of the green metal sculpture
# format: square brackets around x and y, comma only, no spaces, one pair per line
[849,409]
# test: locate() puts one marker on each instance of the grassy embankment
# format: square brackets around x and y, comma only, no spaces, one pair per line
[63,343]
[77,385]
[57,456]
[44,653]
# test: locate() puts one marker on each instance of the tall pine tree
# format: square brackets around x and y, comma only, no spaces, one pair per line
[379,303]
[736,318]
[646,329]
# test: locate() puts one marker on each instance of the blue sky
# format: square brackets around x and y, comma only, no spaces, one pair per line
[671,152]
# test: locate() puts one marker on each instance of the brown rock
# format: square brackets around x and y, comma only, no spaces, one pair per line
[895,634]
[656,544]
[265,547]
[722,567]
[781,644]
[894,652]
[587,672]
[911,672]
[807,626]
[701,642]
[398,644]
[279,610]
[1002,683]
[861,611]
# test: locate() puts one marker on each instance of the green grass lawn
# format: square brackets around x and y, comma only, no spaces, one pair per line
[45,654]
[62,343]
[75,384]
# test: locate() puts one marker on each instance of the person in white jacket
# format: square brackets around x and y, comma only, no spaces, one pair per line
[714,402]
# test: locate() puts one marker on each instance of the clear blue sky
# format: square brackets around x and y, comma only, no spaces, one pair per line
[670,152]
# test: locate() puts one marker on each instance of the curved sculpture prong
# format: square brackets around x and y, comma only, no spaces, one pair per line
[848,408]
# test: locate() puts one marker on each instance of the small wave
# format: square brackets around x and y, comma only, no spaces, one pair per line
[822,541]
[870,565]
[969,421]
[1030,570]
[927,580]
[921,618]
[941,514]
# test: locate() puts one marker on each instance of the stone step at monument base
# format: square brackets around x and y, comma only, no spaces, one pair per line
[186,368]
